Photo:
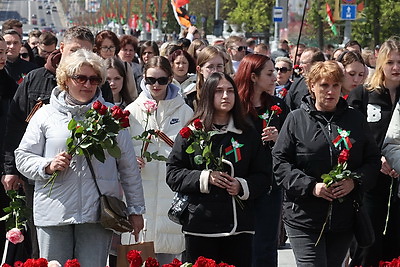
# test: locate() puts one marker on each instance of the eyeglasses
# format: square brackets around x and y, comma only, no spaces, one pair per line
[107,48]
[215,68]
[283,69]
[241,48]
[82,79]
[24,55]
[152,80]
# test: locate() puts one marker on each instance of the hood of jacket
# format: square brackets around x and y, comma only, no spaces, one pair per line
[308,104]
[53,60]
[57,100]
[172,91]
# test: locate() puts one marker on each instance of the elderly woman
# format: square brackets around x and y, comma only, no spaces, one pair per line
[304,151]
[67,221]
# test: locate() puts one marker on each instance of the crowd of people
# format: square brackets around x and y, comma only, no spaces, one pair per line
[279,120]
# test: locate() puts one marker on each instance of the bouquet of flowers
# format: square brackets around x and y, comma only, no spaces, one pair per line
[42,262]
[15,218]
[202,147]
[339,171]
[135,260]
[145,136]
[96,133]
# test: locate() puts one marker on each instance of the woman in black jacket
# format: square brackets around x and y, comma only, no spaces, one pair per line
[255,80]
[304,151]
[219,222]
[376,101]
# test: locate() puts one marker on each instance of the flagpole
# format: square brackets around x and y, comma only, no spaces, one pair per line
[301,28]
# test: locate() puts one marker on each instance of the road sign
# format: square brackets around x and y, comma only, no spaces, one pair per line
[349,12]
[278,14]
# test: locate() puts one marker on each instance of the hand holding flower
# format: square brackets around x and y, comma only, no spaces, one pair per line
[342,188]
[141,163]
[59,163]
[220,179]
[270,133]
[387,169]
[321,190]
[233,187]
[138,223]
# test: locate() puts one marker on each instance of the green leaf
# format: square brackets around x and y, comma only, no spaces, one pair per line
[198,159]
[99,155]
[114,151]
[72,124]
[147,155]
[190,149]
[6,217]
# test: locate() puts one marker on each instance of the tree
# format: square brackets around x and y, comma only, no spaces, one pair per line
[256,16]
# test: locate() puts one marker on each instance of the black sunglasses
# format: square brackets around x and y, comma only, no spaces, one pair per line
[241,48]
[161,80]
[283,69]
[82,79]
[24,55]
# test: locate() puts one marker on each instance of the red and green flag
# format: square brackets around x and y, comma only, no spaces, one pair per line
[329,18]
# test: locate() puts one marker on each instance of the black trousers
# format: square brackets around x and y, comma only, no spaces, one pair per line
[234,250]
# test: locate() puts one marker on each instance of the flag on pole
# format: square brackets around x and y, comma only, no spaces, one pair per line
[329,18]
[181,13]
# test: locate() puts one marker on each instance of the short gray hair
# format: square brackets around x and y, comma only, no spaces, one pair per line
[284,59]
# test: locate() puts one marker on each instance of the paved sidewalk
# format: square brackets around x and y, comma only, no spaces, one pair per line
[286,257]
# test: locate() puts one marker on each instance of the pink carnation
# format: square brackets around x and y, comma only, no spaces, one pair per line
[15,236]
[150,106]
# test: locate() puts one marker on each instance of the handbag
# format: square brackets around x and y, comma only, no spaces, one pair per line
[363,231]
[113,214]
[179,208]
[146,248]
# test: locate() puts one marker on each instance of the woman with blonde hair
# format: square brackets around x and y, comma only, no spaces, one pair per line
[195,48]
[377,102]
[72,228]
[209,60]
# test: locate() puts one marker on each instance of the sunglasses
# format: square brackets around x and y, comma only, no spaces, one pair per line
[24,55]
[283,69]
[82,79]
[161,80]
[241,48]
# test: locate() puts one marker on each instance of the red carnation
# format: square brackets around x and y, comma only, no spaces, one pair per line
[18,264]
[5,265]
[124,122]
[72,263]
[134,258]
[29,263]
[174,263]
[198,125]
[344,156]
[41,262]
[103,110]
[97,105]
[277,109]
[126,113]
[204,262]
[151,262]
[223,264]
[185,132]
[117,113]
[283,93]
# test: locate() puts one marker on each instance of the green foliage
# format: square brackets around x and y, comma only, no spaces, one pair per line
[256,15]
[16,212]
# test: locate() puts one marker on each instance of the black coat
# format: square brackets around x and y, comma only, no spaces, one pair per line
[302,154]
[297,91]
[214,213]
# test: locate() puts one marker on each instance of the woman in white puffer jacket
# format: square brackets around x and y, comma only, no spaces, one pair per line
[169,117]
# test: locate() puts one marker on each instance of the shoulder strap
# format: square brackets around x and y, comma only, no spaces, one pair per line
[93,174]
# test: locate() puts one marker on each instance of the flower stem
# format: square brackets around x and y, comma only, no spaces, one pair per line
[389,203]
[142,149]
[324,225]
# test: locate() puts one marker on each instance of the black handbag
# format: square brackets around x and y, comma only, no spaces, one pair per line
[113,214]
[179,208]
[363,231]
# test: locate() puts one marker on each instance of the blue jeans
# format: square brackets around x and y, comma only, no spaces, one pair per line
[330,251]
[89,243]
[267,209]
